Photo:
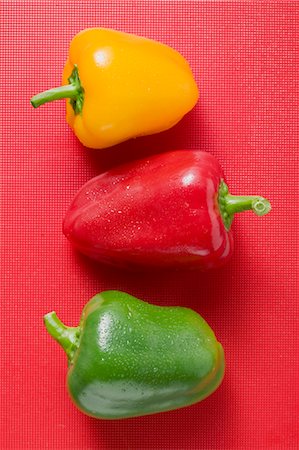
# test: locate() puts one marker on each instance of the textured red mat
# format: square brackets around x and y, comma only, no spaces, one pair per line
[245,59]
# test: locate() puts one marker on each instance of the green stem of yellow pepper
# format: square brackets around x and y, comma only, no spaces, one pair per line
[73,90]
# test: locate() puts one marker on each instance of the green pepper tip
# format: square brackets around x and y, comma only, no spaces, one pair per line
[67,337]
[261,206]
[229,204]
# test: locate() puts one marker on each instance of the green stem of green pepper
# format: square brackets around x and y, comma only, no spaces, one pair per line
[73,91]
[67,337]
[229,204]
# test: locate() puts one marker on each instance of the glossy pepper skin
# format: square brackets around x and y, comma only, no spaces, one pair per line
[120,86]
[169,210]
[130,358]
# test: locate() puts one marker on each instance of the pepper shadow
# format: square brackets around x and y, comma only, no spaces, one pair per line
[203,291]
[180,136]
[154,285]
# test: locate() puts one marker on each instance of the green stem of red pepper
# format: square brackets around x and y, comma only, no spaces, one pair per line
[74,91]
[229,204]
[67,337]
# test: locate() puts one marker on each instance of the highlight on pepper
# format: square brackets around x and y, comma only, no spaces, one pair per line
[120,86]
[130,358]
[169,210]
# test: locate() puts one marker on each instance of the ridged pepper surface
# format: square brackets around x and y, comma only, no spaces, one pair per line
[169,210]
[120,86]
[130,358]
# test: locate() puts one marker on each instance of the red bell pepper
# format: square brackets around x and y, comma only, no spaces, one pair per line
[169,210]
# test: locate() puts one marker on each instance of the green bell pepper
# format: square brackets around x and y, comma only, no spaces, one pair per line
[129,358]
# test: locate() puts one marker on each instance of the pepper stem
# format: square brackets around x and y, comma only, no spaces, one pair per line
[74,91]
[67,337]
[66,91]
[232,204]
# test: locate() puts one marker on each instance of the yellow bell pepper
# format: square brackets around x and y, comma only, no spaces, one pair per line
[120,86]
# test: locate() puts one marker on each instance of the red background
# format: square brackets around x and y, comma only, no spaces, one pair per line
[244,56]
